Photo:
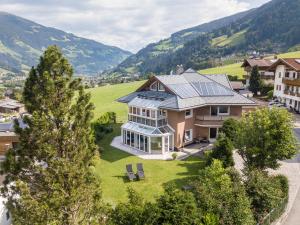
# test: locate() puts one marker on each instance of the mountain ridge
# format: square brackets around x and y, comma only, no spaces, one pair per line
[259,29]
[22,41]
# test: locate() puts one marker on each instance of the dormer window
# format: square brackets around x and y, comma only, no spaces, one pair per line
[156,86]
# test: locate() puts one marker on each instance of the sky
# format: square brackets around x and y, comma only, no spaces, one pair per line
[128,24]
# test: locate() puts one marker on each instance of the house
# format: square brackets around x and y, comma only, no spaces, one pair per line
[171,111]
[5,218]
[11,106]
[287,82]
[263,65]
[8,138]
[237,85]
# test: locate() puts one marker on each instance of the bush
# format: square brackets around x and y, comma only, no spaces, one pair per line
[174,155]
[270,94]
[223,150]
[230,129]
[265,192]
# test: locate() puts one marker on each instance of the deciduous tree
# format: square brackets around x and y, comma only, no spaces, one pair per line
[265,137]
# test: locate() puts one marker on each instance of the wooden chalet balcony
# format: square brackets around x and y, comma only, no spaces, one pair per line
[292,93]
[291,82]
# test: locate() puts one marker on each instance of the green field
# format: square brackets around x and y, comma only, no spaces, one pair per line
[236,69]
[231,69]
[104,98]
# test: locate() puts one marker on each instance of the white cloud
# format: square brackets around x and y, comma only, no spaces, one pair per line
[129,24]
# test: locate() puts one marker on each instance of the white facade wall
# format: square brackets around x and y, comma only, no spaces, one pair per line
[289,100]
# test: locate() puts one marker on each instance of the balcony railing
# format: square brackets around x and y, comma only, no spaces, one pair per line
[291,81]
[292,93]
[216,118]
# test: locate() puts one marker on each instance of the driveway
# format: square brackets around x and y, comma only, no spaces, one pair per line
[291,169]
[293,217]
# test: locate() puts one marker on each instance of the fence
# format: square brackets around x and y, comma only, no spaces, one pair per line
[275,213]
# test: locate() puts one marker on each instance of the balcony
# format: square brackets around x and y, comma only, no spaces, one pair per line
[212,121]
[291,93]
[215,118]
[291,81]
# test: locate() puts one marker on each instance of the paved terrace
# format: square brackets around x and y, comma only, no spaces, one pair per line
[184,153]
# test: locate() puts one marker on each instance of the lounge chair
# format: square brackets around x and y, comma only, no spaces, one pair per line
[129,171]
[140,171]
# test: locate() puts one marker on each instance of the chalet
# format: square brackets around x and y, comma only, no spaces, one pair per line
[263,65]
[287,82]
[171,111]
[11,106]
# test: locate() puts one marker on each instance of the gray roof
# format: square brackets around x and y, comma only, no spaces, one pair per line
[190,90]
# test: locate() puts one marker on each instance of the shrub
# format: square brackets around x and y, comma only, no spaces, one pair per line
[265,192]
[223,150]
[270,94]
[174,155]
[230,129]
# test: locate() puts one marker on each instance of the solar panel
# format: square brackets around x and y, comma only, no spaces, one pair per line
[211,89]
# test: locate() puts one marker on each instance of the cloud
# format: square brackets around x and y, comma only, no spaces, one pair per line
[129,24]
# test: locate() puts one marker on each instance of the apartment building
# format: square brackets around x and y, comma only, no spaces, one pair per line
[171,111]
[287,82]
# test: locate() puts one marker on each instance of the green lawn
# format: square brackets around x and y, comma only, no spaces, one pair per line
[236,69]
[104,98]
[231,69]
[111,170]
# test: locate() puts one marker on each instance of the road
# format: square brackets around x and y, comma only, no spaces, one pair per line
[293,217]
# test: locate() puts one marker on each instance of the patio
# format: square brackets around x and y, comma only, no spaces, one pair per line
[193,149]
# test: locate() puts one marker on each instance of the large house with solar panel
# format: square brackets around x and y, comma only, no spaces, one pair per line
[171,111]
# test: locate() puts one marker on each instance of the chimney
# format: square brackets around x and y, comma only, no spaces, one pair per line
[179,69]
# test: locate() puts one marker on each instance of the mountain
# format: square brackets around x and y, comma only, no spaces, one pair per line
[271,28]
[23,41]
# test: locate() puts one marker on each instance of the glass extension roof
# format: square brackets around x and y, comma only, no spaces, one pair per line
[146,130]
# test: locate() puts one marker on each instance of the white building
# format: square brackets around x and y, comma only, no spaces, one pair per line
[5,217]
[287,82]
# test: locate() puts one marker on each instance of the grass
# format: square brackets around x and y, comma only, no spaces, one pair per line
[111,170]
[235,69]
[104,98]
[231,69]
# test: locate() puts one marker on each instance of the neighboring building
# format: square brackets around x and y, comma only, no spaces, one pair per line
[11,106]
[263,65]
[171,111]
[5,217]
[287,82]
[237,85]
[8,138]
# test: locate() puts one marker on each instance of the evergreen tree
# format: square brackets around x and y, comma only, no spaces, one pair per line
[49,178]
[223,150]
[255,81]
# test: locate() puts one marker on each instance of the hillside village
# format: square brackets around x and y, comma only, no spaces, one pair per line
[201,128]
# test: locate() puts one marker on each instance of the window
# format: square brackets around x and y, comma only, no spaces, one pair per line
[161,87]
[188,135]
[224,110]
[153,86]
[213,110]
[279,74]
[294,75]
[188,113]
[157,86]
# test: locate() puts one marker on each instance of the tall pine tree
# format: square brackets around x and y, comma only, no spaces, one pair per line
[48,175]
[255,81]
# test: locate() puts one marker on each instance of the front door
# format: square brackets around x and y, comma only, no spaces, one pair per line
[213,133]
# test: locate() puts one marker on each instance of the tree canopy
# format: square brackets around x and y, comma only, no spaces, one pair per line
[265,137]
